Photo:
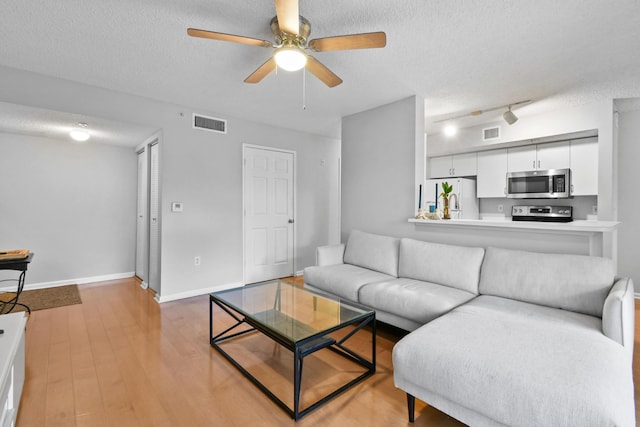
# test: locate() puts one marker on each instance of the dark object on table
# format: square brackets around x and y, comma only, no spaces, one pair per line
[20,263]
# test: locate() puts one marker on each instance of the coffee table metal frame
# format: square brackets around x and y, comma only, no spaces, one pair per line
[300,349]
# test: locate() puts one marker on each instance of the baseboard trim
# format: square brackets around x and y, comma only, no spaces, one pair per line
[196,292]
[299,273]
[78,281]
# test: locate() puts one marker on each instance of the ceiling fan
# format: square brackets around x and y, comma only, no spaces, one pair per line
[291,31]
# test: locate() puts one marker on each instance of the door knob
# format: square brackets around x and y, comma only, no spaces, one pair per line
[291,221]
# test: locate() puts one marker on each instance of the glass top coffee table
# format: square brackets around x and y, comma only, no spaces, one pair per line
[300,320]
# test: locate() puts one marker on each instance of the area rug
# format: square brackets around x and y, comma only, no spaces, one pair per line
[42,299]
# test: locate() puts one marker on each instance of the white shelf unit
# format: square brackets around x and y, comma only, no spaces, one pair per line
[12,363]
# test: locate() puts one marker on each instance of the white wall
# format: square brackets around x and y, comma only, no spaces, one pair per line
[378,176]
[204,171]
[71,204]
[629,202]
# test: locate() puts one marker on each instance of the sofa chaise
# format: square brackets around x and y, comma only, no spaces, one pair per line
[499,337]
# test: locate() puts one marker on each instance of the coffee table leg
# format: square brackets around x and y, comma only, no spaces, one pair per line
[373,343]
[297,380]
[210,320]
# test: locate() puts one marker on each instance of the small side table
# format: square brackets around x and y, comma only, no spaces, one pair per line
[17,265]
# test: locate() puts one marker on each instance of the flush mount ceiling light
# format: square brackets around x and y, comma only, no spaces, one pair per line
[290,58]
[80,133]
[509,117]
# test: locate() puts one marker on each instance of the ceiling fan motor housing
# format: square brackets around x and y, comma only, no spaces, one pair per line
[299,39]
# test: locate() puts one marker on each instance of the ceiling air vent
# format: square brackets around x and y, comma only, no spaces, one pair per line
[490,134]
[210,124]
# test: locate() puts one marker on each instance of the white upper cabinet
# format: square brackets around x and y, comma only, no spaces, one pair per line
[539,157]
[457,165]
[555,155]
[491,167]
[440,167]
[522,158]
[492,172]
[584,167]
[465,164]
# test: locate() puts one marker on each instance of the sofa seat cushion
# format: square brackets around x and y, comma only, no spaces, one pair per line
[572,282]
[434,262]
[343,280]
[412,299]
[519,364]
[373,251]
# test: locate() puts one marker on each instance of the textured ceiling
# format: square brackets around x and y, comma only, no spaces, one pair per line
[459,55]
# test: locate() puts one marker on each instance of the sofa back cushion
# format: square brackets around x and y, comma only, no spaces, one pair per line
[571,282]
[448,265]
[372,251]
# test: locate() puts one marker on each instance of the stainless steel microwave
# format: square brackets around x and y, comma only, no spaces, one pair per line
[540,184]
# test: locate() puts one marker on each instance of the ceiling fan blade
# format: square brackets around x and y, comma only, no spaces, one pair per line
[323,73]
[288,15]
[193,32]
[353,41]
[262,71]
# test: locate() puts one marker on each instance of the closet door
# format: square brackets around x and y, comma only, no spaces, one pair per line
[142,218]
[154,217]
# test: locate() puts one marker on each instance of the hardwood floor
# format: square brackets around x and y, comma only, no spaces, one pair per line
[120,359]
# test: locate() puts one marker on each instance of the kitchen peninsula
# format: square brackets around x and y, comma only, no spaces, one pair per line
[585,236]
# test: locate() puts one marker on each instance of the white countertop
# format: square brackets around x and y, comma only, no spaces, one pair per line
[577,226]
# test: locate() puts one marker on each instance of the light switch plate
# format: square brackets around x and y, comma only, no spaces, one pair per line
[176,207]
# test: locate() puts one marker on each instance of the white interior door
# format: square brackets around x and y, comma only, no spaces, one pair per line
[268,214]
[142,224]
[154,218]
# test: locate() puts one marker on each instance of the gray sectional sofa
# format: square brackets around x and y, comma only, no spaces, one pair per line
[499,337]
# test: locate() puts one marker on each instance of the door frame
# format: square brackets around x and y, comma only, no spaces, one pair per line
[295,203]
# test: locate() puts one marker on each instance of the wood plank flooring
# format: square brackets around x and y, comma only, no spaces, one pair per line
[120,359]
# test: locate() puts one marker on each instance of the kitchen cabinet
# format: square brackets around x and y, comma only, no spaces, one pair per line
[492,171]
[457,165]
[554,155]
[584,167]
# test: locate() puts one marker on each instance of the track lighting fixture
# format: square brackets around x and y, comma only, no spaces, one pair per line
[509,117]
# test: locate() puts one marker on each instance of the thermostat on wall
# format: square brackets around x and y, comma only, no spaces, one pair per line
[176,207]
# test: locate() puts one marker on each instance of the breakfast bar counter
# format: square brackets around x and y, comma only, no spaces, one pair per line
[579,226]
[592,232]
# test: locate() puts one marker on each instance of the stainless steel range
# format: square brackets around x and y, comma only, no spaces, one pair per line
[542,213]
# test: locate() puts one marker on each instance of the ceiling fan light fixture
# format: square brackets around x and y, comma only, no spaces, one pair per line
[290,58]
[509,117]
[80,133]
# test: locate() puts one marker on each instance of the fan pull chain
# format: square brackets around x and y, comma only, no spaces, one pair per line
[304,88]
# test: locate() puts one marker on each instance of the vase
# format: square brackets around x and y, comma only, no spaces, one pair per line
[445,208]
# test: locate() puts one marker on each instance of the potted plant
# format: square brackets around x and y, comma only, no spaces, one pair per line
[446,189]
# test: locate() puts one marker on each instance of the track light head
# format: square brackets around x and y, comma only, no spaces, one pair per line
[509,117]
